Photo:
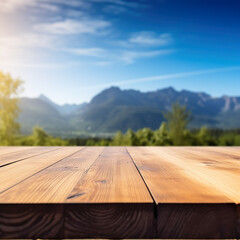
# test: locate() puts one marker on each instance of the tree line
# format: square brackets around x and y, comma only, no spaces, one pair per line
[172,132]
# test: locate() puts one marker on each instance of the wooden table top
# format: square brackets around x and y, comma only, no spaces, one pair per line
[119,192]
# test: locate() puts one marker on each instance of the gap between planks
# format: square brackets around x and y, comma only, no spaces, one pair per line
[130,212]
[184,201]
[182,210]
[149,190]
[32,166]
[97,174]
[9,149]
[14,157]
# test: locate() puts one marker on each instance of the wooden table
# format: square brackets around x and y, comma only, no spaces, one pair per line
[119,192]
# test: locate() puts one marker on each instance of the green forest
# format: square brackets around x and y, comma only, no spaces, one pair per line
[173,131]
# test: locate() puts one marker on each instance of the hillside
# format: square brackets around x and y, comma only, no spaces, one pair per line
[38,112]
[115,109]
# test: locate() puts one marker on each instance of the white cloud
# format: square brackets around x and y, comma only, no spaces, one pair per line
[178,75]
[126,3]
[52,5]
[92,52]
[131,56]
[72,3]
[164,77]
[11,5]
[72,13]
[150,39]
[40,65]
[73,27]
[28,41]
[48,7]
[52,31]
[110,57]
[55,5]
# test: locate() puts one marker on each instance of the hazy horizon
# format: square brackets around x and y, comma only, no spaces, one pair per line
[69,50]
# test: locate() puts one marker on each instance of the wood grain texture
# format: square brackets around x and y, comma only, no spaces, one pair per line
[119,192]
[113,178]
[53,184]
[22,221]
[114,200]
[110,221]
[23,154]
[187,205]
[168,182]
[6,150]
[196,221]
[238,221]
[15,173]
[219,171]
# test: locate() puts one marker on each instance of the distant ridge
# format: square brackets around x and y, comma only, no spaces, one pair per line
[63,109]
[115,109]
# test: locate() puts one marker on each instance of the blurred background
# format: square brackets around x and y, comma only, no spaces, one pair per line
[118,72]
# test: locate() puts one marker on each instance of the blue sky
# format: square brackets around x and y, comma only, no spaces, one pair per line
[70,50]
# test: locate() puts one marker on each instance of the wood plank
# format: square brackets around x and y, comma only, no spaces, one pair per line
[17,156]
[112,199]
[19,221]
[230,156]
[220,166]
[113,178]
[186,206]
[196,221]
[15,173]
[110,221]
[100,192]
[168,181]
[217,170]
[53,184]
[6,150]
[238,221]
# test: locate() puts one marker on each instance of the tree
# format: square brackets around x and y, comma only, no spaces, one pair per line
[40,137]
[118,139]
[161,136]
[145,136]
[204,137]
[9,110]
[131,138]
[177,121]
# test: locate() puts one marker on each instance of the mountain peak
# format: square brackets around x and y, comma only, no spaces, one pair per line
[62,109]
[171,89]
[112,89]
[168,90]
[106,94]
[43,97]
[47,100]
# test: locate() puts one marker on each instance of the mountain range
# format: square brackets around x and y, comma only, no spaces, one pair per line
[114,109]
